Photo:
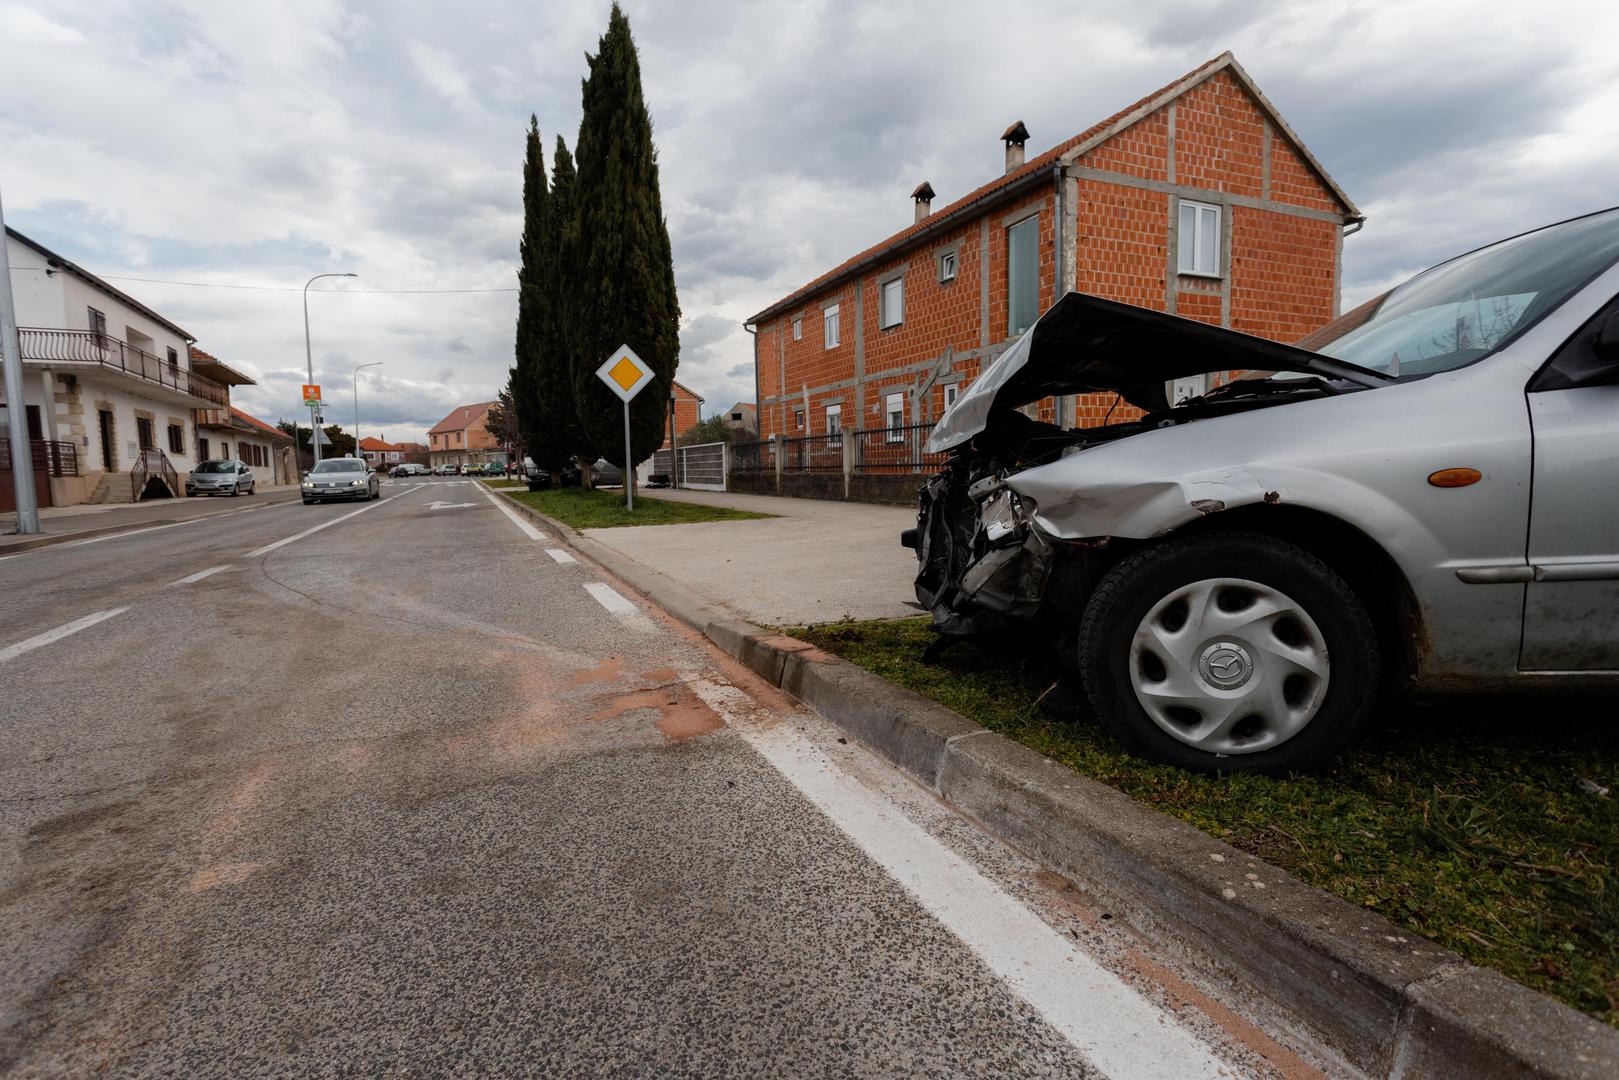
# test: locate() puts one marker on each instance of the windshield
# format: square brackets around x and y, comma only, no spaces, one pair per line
[339,466]
[217,466]
[1465,309]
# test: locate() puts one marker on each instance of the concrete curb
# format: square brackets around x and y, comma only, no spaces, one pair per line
[17,547]
[1390,1002]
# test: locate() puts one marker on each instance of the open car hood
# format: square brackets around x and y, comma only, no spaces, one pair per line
[1084,344]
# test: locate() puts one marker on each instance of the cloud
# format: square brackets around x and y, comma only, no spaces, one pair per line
[263,143]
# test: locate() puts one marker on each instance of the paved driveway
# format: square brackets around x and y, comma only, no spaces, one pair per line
[815,562]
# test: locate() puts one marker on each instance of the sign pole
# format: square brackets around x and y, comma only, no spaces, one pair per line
[629,491]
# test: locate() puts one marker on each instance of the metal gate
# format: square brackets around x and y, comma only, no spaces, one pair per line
[701,468]
[50,459]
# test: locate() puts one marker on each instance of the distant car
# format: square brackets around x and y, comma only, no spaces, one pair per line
[605,474]
[413,469]
[443,470]
[340,478]
[222,477]
[538,479]
[399,471]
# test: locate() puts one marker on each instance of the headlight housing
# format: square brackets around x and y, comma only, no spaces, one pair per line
[356,483]
[1002,514]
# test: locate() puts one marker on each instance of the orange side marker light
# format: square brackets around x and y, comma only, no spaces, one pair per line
[1454,478]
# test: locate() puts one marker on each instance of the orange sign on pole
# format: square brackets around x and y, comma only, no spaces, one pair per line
[312,395]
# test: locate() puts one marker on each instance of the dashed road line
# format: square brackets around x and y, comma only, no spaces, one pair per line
[560,556]
[1122,1033]
[191,579]
[617,606]
[137,532]
[12,651]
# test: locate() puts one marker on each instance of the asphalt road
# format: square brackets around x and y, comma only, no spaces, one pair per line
[410,794]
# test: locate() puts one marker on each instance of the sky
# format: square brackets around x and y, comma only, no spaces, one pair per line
[259,144]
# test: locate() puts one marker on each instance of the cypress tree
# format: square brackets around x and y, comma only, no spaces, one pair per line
[531,308]
[562,348]
[624,269]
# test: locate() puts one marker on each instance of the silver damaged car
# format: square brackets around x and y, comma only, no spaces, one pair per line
[1422,496]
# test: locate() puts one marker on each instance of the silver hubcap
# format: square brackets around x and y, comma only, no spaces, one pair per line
[1229,666]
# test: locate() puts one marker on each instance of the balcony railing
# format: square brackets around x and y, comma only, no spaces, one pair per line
[85,346]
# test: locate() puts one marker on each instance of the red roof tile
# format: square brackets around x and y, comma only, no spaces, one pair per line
[461,418]
[253,421]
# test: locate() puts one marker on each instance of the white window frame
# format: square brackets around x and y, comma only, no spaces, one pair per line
[895,432]
[1192,257]
[798,419]
[951,392]
[891,305]
[798,328]
[834,423]
[830,327]
[948,262]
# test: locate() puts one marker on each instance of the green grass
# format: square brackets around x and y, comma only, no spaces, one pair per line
[1466,823]
[505,485]
[605,509]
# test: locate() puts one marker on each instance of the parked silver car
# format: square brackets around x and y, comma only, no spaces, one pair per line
[340,478]
[1420,496]
[220,477]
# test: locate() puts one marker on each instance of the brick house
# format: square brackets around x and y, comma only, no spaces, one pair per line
[688,408]
[1198,199]
[463,438]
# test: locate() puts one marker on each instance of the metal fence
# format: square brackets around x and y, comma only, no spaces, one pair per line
[52,458]
[700,467]
[753,457]
[812,453]
[895,450]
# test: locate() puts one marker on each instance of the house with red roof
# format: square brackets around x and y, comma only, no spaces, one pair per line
[226,432]
[1199,200]
[463,438]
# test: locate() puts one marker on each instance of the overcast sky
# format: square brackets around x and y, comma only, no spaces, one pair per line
[260,143]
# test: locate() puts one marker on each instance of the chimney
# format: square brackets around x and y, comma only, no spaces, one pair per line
[924,200]
[1014,137]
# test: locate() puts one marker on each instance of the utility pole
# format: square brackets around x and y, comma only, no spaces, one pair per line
[309,360]
[22,455]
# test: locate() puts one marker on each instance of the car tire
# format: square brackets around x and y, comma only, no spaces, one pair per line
[1281,693]
[309,502]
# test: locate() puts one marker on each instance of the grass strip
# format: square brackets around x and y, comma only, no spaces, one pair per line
[583,509]
[1480,825]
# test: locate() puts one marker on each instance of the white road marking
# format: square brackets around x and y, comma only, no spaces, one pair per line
[267,548]
[517,519]
[199,575]
[620,608]
[13,651]
[1122,1033]
[137,532]
[560,556]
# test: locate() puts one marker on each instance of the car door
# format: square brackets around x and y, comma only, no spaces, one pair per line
[1571,613]
[244,475]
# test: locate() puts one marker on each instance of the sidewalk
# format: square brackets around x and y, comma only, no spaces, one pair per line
[814,562]
[63,523]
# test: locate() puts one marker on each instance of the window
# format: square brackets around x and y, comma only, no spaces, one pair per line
[143,432]
[798,419]
[174,361]
[1022,275]
[1198,240]
[891,304]
[829,320]
[177,439]
[834,423]
[894,409]
[798,328]
[98,326]
[950,392]
[947,267]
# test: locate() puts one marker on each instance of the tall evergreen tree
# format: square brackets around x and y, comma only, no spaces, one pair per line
[560,342]
[625,271]
[536,256]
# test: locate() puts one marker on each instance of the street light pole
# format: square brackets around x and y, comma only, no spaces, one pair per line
[309,361]
[355,379]
[22,454]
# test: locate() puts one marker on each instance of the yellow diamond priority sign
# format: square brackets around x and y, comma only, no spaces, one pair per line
[625,373]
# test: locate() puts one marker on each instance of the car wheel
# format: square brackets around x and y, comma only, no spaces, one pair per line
[1229,652]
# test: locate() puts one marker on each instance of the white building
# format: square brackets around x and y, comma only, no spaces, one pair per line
[110,398]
